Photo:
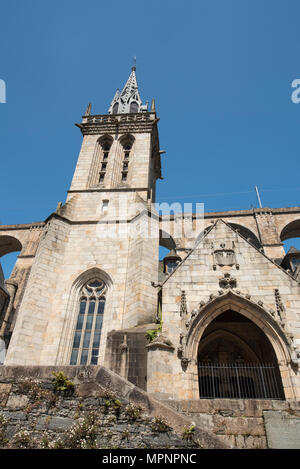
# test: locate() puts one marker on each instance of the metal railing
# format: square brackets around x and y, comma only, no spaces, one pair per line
[239,381]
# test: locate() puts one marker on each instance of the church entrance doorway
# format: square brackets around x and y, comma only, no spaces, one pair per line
[237,361]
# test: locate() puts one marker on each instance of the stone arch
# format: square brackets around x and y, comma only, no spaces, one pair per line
[105,140]
[134,106]
[228,335]
[115,108]
[235,360]
[127,139]
[166,240]
[291,230]
[247,308]
[89,274]
[9,244]
[246,233]
[202,233]
[255,313]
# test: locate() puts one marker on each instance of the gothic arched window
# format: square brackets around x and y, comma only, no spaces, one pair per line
[134,107]
[115,108]
[87,333]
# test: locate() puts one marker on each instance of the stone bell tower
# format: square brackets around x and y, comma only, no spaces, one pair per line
[83,241]
[120,150]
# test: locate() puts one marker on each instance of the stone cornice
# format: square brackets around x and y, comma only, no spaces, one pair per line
[106,189]
[237,213]
[22,226]
[118,123]
[146,211]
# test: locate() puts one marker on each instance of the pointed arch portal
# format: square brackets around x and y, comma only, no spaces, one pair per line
[237,350]
[236,360]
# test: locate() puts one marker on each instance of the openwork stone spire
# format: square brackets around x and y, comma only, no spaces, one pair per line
[128,101]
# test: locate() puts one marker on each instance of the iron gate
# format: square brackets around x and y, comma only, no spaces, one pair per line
[239,381]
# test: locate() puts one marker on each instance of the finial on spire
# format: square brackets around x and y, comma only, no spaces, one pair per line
[133,68]
[153,105]
[88,110]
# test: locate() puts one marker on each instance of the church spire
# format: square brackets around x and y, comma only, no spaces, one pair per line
[129,99]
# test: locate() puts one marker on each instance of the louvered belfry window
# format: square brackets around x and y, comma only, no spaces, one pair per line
[87,333]
[127,150]
[105,144]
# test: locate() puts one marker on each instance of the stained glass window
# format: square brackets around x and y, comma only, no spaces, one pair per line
[87,333]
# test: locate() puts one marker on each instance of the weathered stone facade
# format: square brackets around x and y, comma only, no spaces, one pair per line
[249,286]
[245,424]
[4,301]
[90,270]
[99,410]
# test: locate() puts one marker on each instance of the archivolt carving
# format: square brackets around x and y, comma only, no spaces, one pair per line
[285,350]
[279,305]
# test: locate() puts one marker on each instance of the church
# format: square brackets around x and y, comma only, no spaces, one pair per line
[218,317]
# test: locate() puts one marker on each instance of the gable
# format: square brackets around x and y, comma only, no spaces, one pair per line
[223,258]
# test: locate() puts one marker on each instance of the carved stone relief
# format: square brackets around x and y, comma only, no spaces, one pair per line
[227,281]
[224,255]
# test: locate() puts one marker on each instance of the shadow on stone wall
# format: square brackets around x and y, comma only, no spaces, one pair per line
[99,409]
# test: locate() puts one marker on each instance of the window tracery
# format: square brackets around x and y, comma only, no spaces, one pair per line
[87,333]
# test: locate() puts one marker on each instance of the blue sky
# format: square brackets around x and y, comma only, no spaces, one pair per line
[219,70]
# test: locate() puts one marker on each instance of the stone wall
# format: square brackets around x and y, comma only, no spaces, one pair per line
[102,411]
[196,293]
[49,308]
[246,424]
[126,354]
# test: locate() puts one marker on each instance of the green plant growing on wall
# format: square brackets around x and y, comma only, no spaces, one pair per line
[33,390]
[22,440]
[111,402]
[117,405]
[112,419]
[83,435]
[160,425]
[151,334]
[133,411]
[47,443]
[3,426]
[62,385]
[125,435]
[189,433]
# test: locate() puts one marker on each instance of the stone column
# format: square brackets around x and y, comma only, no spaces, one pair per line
[268,232]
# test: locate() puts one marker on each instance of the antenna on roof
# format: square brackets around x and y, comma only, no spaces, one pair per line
[257,193]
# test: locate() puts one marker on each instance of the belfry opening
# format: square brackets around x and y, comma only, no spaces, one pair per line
[237,361]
